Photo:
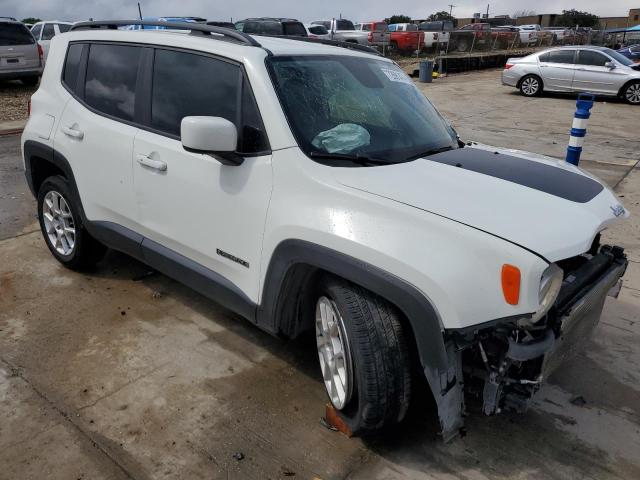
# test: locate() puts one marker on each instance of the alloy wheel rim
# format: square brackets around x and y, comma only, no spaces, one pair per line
[530,86]
[633,93]
[333,352]
[59,224]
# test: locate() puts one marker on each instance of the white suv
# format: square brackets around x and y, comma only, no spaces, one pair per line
[310,187]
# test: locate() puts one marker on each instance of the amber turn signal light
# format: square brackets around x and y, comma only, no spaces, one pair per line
[511,284]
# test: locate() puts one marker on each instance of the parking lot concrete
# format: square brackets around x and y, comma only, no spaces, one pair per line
[123,373]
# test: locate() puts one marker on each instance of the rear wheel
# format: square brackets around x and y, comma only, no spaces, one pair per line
[631,93]
[531,85]
[363,355]
[62,228]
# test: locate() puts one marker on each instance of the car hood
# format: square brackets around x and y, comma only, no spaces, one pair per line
[542,204]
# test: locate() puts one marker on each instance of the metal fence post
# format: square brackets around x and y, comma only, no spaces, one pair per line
[579,127]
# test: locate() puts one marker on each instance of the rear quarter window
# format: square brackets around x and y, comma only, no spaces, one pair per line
[36,31]
[72,67]
[15,34]
[48,32]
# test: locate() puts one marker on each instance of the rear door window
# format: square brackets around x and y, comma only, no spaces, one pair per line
[561,56]
[15,34]
[48,31]
[110,86]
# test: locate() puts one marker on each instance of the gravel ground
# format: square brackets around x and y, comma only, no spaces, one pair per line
[14,97]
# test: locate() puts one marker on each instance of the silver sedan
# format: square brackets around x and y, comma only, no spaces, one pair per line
[597,70]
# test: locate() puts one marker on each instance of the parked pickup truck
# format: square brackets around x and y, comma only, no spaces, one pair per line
[481,36]
[442,29]
[377,32]
[344,31]
[406,37]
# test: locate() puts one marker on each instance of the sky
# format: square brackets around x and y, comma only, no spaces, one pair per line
[305,10]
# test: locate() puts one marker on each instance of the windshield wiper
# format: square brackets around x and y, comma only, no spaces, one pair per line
[356,157]
[433,151]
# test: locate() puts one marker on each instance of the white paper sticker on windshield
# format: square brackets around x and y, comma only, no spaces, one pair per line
[396,75]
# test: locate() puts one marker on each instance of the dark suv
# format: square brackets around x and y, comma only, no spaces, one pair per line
[20,55]
[272,26]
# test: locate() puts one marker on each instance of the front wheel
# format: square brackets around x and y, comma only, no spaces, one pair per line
[530,86]
[363,354]
[631,93]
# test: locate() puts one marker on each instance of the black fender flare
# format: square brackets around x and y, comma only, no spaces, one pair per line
[33,149]
[415,306]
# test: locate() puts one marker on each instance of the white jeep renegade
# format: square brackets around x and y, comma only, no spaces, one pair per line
[308,186]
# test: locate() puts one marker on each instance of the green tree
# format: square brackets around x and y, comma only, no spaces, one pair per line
[398,19]
[573,18]
[440,16]
[31,20]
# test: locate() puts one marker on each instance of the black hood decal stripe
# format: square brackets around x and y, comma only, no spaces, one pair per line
[528,173]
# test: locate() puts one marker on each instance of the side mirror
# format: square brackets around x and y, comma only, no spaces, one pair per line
[610,65]
[211,135]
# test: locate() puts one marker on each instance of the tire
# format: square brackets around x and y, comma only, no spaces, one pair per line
[530,85]
[376,363]
[462,45]
[62,228]
[631,93]
[30,81]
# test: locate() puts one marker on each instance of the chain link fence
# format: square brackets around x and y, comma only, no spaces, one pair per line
[468,50]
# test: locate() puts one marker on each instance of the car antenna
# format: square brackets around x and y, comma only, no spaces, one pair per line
[139,11]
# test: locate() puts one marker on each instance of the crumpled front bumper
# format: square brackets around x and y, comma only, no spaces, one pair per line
[577,325]
[504,364]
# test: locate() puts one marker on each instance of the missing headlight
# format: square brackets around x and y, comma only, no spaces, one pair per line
[550,285]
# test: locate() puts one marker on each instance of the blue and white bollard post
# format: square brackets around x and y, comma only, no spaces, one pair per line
[579,127]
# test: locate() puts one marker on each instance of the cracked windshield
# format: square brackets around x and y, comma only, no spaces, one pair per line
[357,108]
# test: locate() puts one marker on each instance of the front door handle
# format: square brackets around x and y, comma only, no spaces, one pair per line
[72,132]
[151,163]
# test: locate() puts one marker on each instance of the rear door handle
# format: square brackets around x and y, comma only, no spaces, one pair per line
[72,132]
[151,163]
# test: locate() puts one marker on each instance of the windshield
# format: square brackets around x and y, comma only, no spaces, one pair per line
[618,57]
[351,105]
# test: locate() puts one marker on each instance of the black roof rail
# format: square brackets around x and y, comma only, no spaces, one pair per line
[193,27]
[333,43]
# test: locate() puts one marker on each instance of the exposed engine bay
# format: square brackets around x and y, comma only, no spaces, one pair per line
[504,364]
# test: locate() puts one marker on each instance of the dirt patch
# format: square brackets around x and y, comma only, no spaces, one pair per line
[14,98]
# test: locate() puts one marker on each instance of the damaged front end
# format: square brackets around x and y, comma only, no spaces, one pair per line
[504,364]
